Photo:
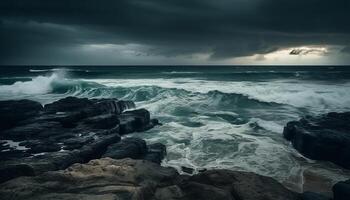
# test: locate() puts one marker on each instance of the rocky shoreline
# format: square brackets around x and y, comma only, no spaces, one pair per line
[77,149]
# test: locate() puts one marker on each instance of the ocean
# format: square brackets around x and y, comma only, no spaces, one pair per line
[213,116]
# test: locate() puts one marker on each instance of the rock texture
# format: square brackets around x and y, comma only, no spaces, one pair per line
[36,138]
[137,179]
[136,148]
[341,190]
[12,112]
[325,137]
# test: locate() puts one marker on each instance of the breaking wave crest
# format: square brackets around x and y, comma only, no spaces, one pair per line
[316,96]
[208,124]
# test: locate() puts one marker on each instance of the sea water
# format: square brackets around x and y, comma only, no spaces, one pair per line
[213,116]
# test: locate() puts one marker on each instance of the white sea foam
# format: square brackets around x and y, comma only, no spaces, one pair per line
[320,95]
[14,145]
[181,72]
[57,70]
[38,85]
[40,88]
[206,129]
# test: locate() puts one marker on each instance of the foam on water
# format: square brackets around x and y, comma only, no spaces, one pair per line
[38,85]
[212,124]
[322,96]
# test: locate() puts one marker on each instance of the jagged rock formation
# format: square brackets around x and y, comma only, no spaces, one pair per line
[325,137]
[36,139]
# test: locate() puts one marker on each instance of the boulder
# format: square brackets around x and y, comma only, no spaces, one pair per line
[10,171]
[14,111]
[106,121]
[127,148]
[341,190]
[245,185]
[156,153]
[187,170]
[313,196]
[68,104]
[324,137]
[136,120]
[136,148]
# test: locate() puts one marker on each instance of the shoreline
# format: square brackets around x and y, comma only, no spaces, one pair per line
[68,123]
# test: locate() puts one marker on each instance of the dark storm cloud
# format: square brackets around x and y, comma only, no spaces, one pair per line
[223,28]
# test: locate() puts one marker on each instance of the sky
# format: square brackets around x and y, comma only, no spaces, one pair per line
[174,32]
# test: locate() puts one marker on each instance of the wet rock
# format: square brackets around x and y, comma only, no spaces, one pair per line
[11,171]
[68,104]
[156,153]
[341,190]
[99,179]
[324,137]
[106,121]
[245,185]
[45,147]
[136,148]
[187,170]
[127,148]
[70,130]
[137,179]
[12,112]
[135,120]
[313,196]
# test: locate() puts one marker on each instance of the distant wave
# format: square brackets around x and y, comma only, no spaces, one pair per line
[315,95]
[57,69]
[56,82]
[321,96]
[181,72]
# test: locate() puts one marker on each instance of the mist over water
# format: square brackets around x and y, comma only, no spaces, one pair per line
[222,117]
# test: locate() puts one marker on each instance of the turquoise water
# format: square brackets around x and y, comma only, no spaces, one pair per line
[213,116]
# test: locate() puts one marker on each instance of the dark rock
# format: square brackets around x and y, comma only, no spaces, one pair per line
[45,147]
[324,137]
[127,148]
[194,190]
[341,190]
[70,130]
[112,106]
[106,121]
[313,196]
[89,107]
[68,104]
[8,172]
[136,120]
[62,159]
[136,148]
[13,153]
[12,112]
[39,130]
[202,170]
[187,170]
[156,153]
[137,179]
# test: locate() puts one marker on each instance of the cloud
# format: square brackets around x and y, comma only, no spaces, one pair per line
[346,49]
[308,50]
[222,29]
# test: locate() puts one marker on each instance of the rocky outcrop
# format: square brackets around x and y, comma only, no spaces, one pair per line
[136,148]
[12,112]
[137,179]
[341,190]
[37,139]
[325,137]
[313,196]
